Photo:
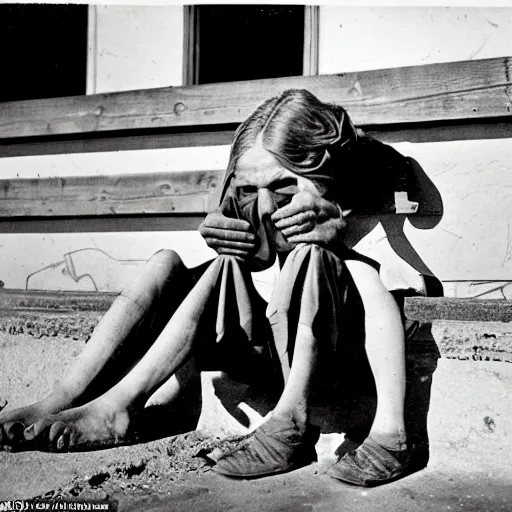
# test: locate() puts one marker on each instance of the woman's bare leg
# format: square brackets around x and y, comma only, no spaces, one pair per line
[383,456]
[385,348]
[294,401]
[386,356]
[286,441]
[107,420]
[305,295]
[117,327]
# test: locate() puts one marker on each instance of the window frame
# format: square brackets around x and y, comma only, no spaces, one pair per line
[191,44]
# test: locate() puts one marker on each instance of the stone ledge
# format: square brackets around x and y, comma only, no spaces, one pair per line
[428,309]
[477,341]
[425,309]
[44,300]
[49,323]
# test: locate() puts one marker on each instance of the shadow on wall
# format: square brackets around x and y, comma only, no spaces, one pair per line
[88,269]
[430,213]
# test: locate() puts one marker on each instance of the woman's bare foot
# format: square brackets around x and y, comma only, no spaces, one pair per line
[13,423]
[98,424]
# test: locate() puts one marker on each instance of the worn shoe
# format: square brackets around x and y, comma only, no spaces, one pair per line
[277,446]
[372,464]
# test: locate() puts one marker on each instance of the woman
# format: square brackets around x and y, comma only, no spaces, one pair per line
[297,166]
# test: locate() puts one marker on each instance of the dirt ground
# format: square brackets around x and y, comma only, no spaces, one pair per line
[168,475]
[471,446]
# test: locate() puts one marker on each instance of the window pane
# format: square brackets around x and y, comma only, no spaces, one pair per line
[44,50]
[249,42]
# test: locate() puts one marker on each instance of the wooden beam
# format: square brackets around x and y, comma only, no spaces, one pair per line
[416,94]
[127,140]
[496,128]
[454,309]
[117,224]
[184,192]
[179,193]
[482,129]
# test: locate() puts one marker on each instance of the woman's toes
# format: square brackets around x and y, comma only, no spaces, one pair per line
[34,431]
[74,438]
[56,430]
[29,433]
[14,431]
[62,443]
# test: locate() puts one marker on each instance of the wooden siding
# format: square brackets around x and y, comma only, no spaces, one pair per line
[458,90]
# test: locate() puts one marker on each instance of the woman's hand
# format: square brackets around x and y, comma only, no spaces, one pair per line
[228,236]
[309,218]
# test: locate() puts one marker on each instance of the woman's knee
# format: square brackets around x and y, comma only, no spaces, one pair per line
[162,268]
[167,259]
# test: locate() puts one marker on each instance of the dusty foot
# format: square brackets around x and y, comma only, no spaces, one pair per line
[97,424]
[13,423]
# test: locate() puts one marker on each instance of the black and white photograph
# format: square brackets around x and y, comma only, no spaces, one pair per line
[256,256]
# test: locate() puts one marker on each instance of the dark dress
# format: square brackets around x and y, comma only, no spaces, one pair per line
[253,341]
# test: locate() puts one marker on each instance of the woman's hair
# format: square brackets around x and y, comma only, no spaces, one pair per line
[316,140]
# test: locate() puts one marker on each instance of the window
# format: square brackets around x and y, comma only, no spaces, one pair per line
[44,50]
[246,42]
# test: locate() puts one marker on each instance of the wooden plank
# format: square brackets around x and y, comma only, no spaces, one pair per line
[188,193]
[484,129]
[130,139]
[455,309]
[183,192]
[456,90]
[113,141]
[117,224]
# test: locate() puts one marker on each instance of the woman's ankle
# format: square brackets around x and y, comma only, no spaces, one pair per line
[298,416]
[395,439]
[59,399]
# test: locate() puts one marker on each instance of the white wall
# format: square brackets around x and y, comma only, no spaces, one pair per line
[473,240]
[130,47]
[141,46]
[134,47]
[359,38]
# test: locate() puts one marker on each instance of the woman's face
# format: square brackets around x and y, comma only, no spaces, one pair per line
[261,185]
[259,173]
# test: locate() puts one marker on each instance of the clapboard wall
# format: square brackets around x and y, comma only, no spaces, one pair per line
[470,243]
[471,248]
